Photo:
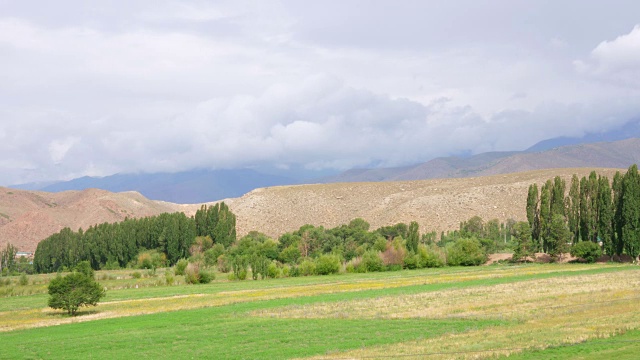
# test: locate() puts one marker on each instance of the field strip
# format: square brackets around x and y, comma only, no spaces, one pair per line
[512,300]
[594,306]
[39,317]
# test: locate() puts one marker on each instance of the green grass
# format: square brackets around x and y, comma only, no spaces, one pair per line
[232,331]
[620,347]
[221,332]
[39,300]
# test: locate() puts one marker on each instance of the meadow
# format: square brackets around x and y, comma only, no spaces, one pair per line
[560,311]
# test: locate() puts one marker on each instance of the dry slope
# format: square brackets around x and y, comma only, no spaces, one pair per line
[26,217]
[439,204]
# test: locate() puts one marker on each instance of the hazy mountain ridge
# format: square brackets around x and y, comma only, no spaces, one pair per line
[438,204]
[618,154]
[196,186]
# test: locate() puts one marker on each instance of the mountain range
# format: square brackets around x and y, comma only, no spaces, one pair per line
[617,148]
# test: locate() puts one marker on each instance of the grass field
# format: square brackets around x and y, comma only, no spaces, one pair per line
[560,311]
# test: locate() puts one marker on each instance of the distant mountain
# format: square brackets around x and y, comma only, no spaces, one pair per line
[189,187]
[617,154]
[26,217]
[627,131]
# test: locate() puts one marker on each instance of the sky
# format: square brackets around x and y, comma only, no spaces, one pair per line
[102,87]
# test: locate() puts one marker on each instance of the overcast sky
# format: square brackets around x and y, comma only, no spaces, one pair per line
[100,87]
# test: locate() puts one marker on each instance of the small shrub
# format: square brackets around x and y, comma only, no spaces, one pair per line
[181,265]
[136,275]
[192,273]
[272,270]
[211,255]
[349,268]
[286,270]
[327,264]
[307,267]
[380,244]
[586,250]
[23,280]
[466,252]
[168,278]
[371,262]
[111,265]
[223,264]
[242,275]
[430,257]
[232,277]
[411,261]
[206,277]
[295,271]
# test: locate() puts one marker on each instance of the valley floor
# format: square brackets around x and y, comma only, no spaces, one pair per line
[526,311]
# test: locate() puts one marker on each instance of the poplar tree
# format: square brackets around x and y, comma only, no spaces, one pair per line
[545,213]
[573,208]
[605,215]
[631,211]
[533,215]
[413,237]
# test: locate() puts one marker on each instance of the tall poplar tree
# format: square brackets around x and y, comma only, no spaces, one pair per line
[631,211]
[533,215]
[605,215]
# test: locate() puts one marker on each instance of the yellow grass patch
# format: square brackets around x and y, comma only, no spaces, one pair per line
[549,312]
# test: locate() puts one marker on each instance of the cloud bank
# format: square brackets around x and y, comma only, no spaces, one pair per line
[171,86]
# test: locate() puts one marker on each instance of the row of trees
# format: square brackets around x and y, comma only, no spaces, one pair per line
[116,245]
[593,210]
[8,258]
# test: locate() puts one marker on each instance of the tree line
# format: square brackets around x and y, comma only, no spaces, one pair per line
[592,210]
[118,244]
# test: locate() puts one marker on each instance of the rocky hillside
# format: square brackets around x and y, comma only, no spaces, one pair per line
[439,204]
[27,217]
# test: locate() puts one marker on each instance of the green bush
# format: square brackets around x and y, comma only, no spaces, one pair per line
[327,264]
[370,262]
[430,257]
[273,271]
[466,252]
[206,277]
[223,264]
[242,275]
[380,244]
[290,254]
[136,275]
[586,250]
[307,267]
[286,270]
[73,291]
[181,265]
[168,277]
[23,280]
[211,255]
[411,260]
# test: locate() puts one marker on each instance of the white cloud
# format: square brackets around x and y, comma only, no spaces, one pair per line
[617,60]
[172,85]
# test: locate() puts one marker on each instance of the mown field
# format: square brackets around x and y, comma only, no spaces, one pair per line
[551,311]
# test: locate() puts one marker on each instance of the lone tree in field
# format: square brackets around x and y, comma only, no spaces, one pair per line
[75,290]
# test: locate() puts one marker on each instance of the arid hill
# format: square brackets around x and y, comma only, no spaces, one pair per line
[26,217]
[441,204]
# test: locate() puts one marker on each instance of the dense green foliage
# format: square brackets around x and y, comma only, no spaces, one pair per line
[75,290]
[593,210]
[8,258]
[586,250]
[117,245]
